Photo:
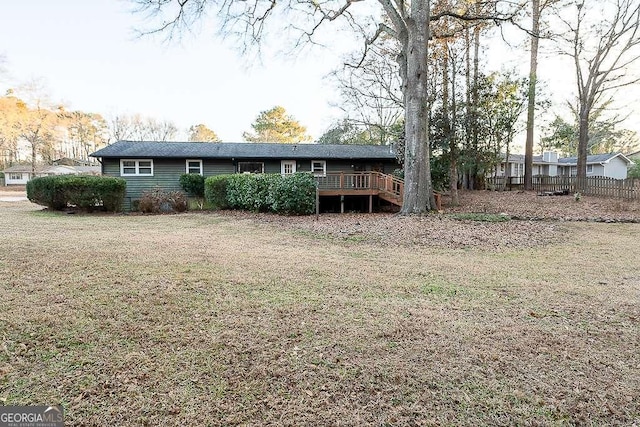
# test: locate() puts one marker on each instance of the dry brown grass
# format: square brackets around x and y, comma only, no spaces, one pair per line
[206,319]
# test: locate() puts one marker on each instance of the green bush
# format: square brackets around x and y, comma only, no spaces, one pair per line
[160,201]
[215,191]
[294,194]
[634,171]
[192,184]
[85,192]
[291,194]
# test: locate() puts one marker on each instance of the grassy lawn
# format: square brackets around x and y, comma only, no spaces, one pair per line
[201,319]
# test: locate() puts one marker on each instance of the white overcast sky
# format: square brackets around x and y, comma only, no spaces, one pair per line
[90,59]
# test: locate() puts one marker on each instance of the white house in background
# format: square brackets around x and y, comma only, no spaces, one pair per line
[21,174]
[613,165]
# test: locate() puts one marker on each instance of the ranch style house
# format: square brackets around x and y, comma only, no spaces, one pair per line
[349,177]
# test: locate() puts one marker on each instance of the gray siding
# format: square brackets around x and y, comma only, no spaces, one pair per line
[166,172]
[166,175]
[597,170]
[616,168]
[216,167]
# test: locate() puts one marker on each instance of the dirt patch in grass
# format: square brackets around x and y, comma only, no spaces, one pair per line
[207,319]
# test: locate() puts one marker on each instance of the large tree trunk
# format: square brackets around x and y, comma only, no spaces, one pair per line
[583,143]
[533,71]
[418,194]
[468,114]
[446,114]
[478,181]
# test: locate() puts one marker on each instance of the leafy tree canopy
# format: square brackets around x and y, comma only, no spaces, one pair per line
[275,125]
[349,132]
[603,137]
[201,133]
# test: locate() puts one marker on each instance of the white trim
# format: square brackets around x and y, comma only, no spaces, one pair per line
[186,165]
[324,167]
[284,164]
[136,166]
[625,158]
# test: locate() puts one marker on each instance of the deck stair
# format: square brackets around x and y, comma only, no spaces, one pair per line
[391,188]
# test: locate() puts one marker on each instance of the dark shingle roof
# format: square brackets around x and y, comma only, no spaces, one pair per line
[227,150]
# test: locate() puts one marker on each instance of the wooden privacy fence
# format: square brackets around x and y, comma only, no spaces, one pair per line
[601,186]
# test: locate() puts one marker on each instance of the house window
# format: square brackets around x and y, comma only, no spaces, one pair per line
[250,167]
[319,167]
[589,168]
[288,167]
[15,176]
[132,167]
[194,167]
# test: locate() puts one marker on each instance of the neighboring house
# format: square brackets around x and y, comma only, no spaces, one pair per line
[21,174]
[147,165]
[613,165]
[66,161]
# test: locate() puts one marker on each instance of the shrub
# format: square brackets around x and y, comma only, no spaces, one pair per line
[160,201]
[291,194]
[294,194]
[192,184]
[215,191]
[85,192]
[634,171]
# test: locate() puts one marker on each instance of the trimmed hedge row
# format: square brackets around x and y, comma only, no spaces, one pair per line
[85,192]
[289,194]
[192,184]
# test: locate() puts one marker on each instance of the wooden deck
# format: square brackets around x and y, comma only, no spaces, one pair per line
[386,187]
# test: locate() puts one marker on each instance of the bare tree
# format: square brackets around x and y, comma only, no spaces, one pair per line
[537,9]
[136,127]
[12,110]
[160,130]
[407,22]
[370,94]
[602,40]
[119,128]
[39,125]
[86,132]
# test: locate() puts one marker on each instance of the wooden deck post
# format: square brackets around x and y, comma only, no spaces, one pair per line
[317,201]
[341,204]
[370,203]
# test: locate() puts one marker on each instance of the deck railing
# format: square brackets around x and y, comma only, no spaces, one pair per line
[345,181]
[362,181]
